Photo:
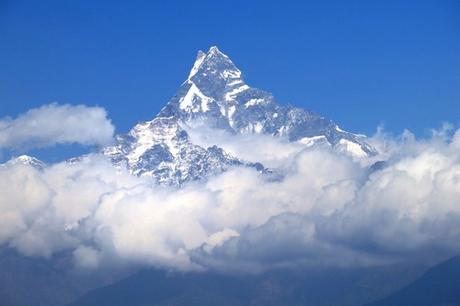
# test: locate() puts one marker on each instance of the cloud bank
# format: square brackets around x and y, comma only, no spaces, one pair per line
[328,209]
[56,124]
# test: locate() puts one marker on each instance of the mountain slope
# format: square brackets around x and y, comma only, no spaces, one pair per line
[161,148]
[25,160]
[28,281]
[439,286]
[317,286]
[215,95]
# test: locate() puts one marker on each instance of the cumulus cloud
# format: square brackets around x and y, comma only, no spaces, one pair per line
[272,152]
[328,209]
[56,124]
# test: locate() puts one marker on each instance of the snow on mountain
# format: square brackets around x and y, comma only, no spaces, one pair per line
[216,95]
[26,160]
[161,148]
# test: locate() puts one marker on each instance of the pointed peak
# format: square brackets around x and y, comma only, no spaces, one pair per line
[214,50]
[199,60]
[26,160]
[200,55]
[213,63]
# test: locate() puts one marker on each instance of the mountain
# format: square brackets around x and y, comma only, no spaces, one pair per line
[162,149]
[216,96]
[32,281]
[25,160]
[439,286]
[314,286]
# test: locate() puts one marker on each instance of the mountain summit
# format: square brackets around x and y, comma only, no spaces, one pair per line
[216,66]
[215,95]
[210,89]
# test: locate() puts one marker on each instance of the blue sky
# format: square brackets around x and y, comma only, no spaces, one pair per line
[360,63]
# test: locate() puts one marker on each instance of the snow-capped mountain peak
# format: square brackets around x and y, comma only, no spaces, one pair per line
[199,60]
[213,82]
[215,95]
[214,65]
[26,160]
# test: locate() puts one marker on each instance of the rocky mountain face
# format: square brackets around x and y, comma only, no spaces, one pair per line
[162,149]
[215,95]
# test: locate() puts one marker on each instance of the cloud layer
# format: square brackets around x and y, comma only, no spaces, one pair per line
[56,124]
[328,209]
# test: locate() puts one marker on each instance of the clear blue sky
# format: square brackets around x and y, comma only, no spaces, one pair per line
[360,63]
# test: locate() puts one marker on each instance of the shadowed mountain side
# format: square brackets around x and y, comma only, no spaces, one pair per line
[317,287]
[439,286]
[26,281]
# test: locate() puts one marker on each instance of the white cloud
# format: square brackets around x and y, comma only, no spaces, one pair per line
[56,124]
[327,209]
[272,152]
